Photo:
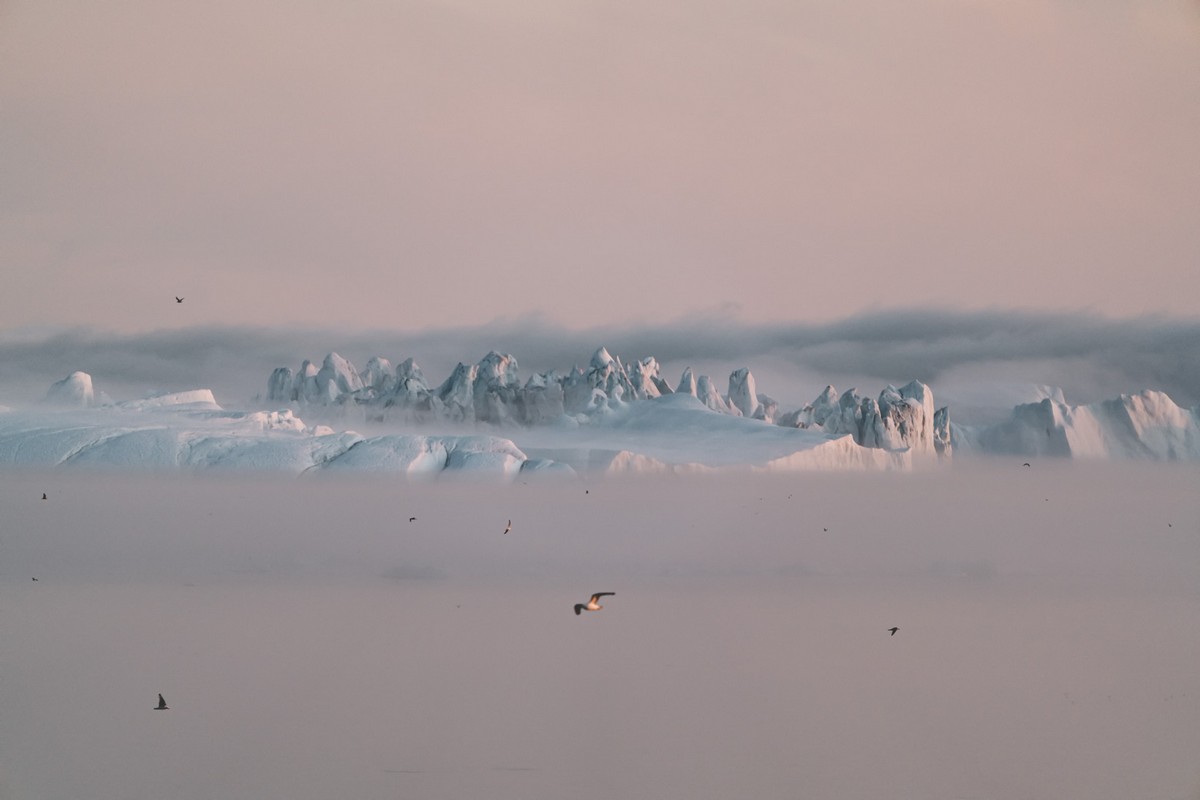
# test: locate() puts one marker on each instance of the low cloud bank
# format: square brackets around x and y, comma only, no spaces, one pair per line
[1089,356]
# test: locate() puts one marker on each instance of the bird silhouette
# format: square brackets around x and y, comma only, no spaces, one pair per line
[593,604]
[1026,464]
[893,630]
[412,519]
[35,579]
[178,299]
[508,527]
[43,495]
[162,704]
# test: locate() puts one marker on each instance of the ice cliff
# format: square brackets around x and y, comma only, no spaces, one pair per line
[1146,425]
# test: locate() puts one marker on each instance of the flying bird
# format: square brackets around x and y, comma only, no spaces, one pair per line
[162,704]
[508,527]
[893,630]
[35,579]
[1026,464]
[412,519]
[43,495]
[178,299]
[593,604]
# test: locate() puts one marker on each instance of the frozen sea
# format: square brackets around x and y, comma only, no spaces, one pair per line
[313,643]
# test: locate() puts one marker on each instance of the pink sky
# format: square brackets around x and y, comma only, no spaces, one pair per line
[407,164]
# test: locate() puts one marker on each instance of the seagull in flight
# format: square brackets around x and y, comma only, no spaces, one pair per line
[508,527]
[1026,464]
[893,631]
[412,519]
[162,704]
[593,604]
[178,299]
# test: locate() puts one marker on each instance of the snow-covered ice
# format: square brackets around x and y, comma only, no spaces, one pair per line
[607,418]
[1146,425]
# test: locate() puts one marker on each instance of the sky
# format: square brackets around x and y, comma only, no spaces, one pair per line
[406,165]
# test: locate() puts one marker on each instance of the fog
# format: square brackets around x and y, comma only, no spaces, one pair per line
[964,356]
[312,642]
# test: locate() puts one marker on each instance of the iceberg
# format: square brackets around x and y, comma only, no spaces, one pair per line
[73,391]
[603,418]
[1146,425]
[490,393]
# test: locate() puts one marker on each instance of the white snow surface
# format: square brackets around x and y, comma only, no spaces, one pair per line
[668,434]
[195,436]
[657,433]
[623,425]
[189,430]
[677,433]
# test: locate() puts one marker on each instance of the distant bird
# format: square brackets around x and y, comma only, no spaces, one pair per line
[35,579]
[893,630]
[178,299]
[162,704]
[593,604]
[412,519]
[825,529]
[43,495]
[1026,464]
[508,527]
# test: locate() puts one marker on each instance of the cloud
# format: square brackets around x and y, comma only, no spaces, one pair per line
[1089,356]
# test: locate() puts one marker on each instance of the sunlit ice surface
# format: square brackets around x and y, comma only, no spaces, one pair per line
[313,642]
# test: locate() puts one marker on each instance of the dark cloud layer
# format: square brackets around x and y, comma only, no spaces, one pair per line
[1089,356]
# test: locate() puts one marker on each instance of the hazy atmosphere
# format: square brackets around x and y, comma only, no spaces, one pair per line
[960,354]
[235,565]
[410,164]
[312,642]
